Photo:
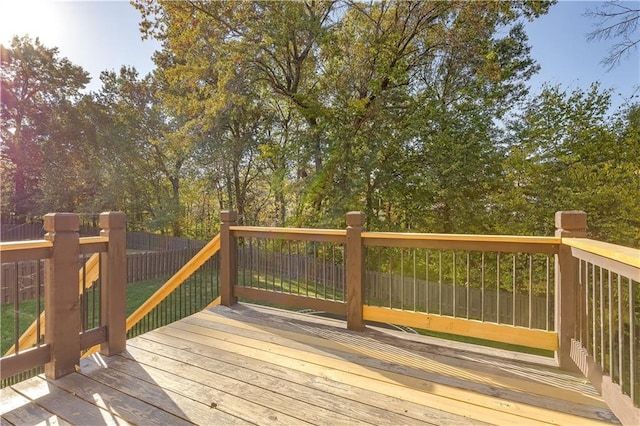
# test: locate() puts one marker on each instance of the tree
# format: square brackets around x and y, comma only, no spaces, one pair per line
[139,136]
[566,152]
[353,80]
[620,21]
[39,93]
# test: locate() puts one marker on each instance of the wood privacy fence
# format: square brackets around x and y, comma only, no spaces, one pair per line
[150,265]
[35,231]
[135,240]
[140,267]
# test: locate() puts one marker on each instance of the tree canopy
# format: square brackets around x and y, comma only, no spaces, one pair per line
[292,113]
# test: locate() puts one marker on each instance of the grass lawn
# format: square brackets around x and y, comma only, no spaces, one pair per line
[27,315]
[137,293]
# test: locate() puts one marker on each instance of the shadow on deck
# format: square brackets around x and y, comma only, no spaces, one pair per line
[251,364]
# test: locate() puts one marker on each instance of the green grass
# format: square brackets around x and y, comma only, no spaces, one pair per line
[137,293]
[27,314]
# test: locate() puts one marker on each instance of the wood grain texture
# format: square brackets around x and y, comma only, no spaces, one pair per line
[17,410]
[457,401]
[353,347]
[258,365]
[626,255]
[64,404]
[497,332]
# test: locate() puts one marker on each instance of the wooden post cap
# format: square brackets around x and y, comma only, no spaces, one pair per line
[112,220]
[228,216]
[355,219]
[61,222]
[571,220]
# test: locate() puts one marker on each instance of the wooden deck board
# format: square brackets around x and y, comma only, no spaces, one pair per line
[18,410]
[359,349]
[424,415]
[458,401]
[317,406]
[256,365]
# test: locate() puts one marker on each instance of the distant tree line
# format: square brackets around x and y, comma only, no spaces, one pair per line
[292,113]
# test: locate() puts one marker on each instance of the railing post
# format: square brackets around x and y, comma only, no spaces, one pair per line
[355,270]
[228,258]
[569,224]
[113,288]
[62,300]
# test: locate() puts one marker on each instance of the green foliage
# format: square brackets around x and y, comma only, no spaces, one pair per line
[565,152]
[292,113]
[40,93]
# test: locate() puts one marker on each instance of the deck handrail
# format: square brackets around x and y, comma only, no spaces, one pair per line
[626,255]
[604,324]
[61,250]
[576,278]
[87,276]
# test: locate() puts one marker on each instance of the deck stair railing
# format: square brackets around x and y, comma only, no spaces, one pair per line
[191,289]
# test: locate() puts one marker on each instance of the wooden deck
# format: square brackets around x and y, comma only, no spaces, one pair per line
[250,364]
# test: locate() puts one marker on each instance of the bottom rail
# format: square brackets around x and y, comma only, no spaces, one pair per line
[23,361]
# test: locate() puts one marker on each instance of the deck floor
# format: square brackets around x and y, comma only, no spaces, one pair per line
[257,365]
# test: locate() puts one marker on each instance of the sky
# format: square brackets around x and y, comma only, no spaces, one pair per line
[104,35]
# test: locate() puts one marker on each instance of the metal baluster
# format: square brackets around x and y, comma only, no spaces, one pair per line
[453,278]
[620,335]
[547,293]
[468,279]
[401,279]
[38,304]
[440,282]
[594,349]
[390,280]
[602,341]
[514,290]
[632,337]
[414,280]
[16,311]
[333,271]
[610,323]
[426,262]
[482,284]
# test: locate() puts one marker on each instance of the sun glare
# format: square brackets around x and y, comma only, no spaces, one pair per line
[35,18]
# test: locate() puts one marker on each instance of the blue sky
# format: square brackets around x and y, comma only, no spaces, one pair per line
[101,35]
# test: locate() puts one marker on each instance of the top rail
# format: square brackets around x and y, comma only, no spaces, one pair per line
[295,234]
[17,251]
[93,244]
[626,255]
[502,243]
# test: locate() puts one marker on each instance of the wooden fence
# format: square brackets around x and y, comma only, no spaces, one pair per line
[135,240]
[140,267]
[151,265]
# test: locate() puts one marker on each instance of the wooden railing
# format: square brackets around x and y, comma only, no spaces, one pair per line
[603,322]
[574,297]
[76,316]
[191,289]
[538,292]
